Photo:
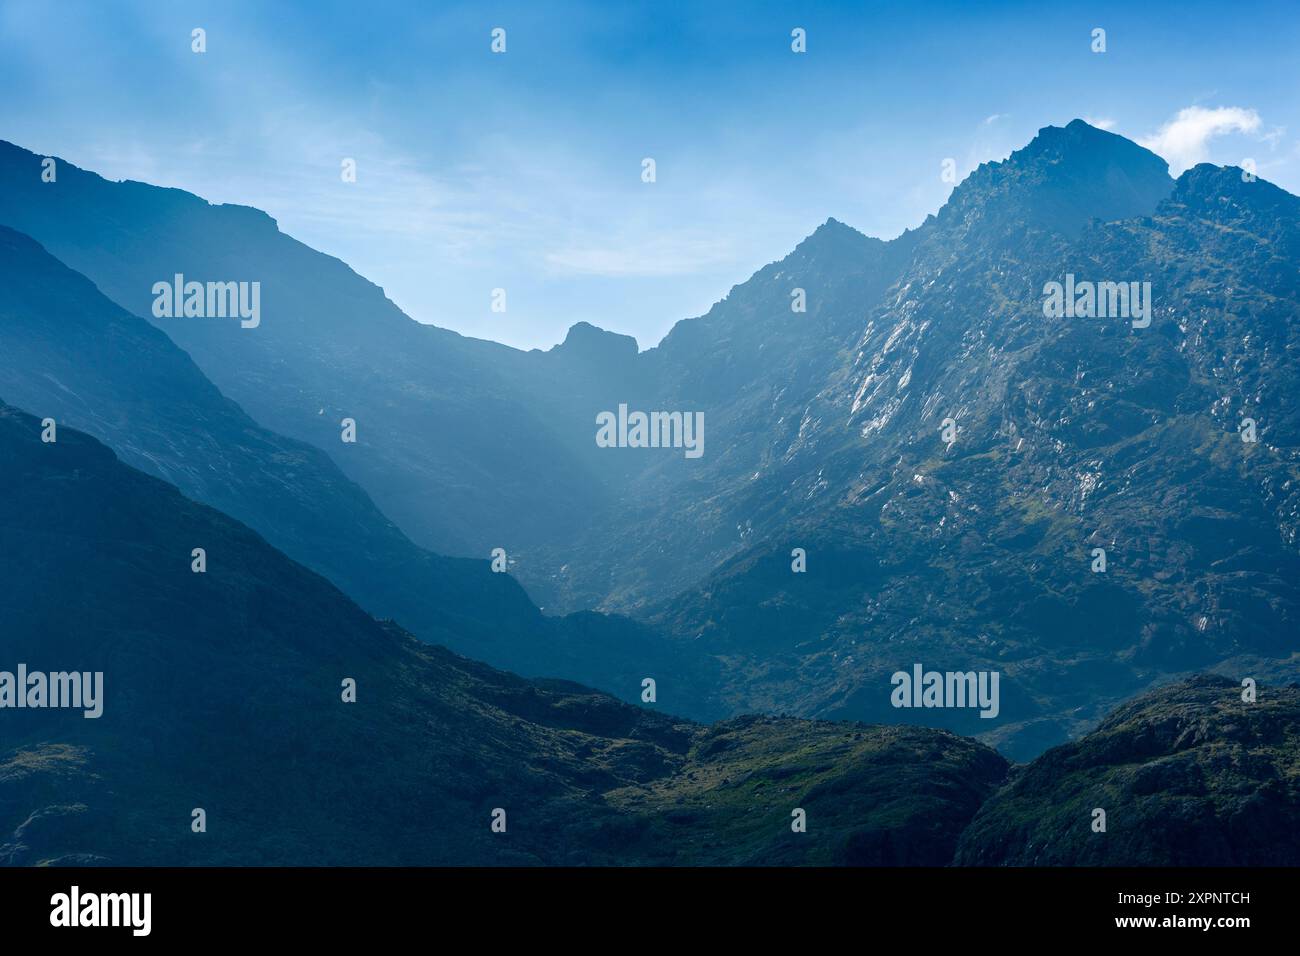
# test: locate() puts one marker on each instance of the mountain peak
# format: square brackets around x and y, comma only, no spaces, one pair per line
[1216,182]
[1064,177]
[833,235]
[1230,197]
[587,341]
[1081,142]
[832,227]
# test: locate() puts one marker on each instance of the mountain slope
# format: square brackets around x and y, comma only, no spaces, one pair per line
[69,353]
[824,433]
[441,431]
[1072,434]
[1189,775]
[222,692]
[749,366]
[466,445]
[759,370]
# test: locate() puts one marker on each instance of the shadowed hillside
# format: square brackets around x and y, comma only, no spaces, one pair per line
[1189,775]
[69,353]
[222,691]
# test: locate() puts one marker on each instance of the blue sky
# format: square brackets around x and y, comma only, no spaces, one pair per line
[522,171]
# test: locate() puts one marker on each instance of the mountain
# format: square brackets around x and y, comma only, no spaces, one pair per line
[816,430]
[771,381]
[1189,775]
[222,692]
[445,444]
[71,354]
[1071,435]
[466,445]
[828,429]
[750,366]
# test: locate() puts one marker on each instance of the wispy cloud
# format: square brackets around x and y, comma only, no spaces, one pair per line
[662,256]
[1184,140]
[477,172]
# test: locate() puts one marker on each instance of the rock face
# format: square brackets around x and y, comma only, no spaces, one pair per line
[1071,435]
[1187,775]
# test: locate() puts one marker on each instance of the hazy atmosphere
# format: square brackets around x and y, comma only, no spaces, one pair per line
[522,172]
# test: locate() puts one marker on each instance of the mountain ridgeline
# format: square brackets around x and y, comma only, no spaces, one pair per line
[1089,503]
[80,359]
[957,474]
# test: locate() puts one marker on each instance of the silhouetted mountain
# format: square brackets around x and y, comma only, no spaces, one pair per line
[596,351]
[70,354]
[223,691]
[1189,775]
[445,446]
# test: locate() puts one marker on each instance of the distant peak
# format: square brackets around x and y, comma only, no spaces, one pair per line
[833,226]
[585,340]
[1226,193]
[1207,177]
[1208,181]
[1079,126]
[833,234]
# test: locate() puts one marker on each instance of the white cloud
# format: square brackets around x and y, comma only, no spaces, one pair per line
[1184,140]
[1101,122]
